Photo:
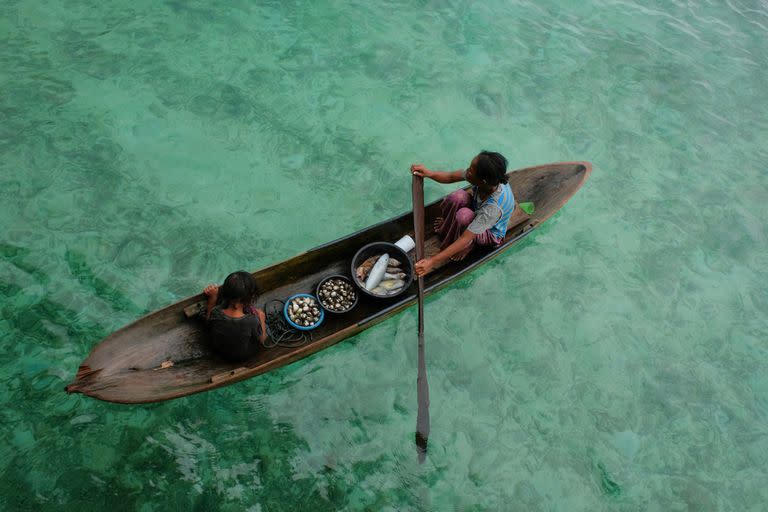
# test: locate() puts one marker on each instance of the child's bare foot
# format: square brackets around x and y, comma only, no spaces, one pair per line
[438,223]
[458,257]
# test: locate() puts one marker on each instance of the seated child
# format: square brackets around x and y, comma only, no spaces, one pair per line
[235,326]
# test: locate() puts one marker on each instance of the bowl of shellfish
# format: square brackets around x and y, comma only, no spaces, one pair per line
[303,311]
[337,294]
[382,270]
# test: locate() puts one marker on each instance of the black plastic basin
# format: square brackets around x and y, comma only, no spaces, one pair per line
[380,248]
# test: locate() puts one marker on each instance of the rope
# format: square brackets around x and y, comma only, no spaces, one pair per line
[280,332]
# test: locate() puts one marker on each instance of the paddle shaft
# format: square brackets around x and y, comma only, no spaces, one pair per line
[422,386]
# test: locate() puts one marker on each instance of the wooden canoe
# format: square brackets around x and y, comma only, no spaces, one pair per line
[125,367]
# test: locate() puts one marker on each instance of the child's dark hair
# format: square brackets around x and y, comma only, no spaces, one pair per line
[239,287]
[491,167]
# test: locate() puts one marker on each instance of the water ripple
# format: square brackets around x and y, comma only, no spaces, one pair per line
[613,359]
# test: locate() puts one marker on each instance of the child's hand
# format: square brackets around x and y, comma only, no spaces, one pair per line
[211,291]
[421,171]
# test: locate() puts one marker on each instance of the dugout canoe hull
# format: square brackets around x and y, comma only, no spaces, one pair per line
[125,367]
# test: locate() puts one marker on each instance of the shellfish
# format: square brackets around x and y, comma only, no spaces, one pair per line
[336,295]
[304,311]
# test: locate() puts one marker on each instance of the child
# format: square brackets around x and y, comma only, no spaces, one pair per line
[235,326]
[468,218]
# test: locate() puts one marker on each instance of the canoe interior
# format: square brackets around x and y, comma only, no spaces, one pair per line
[125,366]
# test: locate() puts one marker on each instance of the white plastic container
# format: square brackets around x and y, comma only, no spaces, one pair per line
[406,243]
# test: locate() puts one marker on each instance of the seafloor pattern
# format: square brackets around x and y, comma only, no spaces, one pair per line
[615,360]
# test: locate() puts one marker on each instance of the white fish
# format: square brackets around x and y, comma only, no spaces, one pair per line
[391,284]
[377,272]
[398,275]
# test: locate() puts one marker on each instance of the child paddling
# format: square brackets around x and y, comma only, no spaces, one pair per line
[478,217]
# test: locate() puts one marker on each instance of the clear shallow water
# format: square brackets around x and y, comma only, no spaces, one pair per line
[615,360]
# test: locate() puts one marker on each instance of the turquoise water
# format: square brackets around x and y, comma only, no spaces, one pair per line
[614,360]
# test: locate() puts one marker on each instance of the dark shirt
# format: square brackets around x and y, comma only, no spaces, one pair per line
[235,339]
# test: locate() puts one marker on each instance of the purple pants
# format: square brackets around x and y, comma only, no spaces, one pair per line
[457,216]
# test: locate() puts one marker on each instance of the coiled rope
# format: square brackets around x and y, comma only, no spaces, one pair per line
[280,332]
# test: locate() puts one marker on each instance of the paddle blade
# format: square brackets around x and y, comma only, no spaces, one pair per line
[422,396]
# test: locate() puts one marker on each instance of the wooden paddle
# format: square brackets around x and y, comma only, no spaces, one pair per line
[422,386]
